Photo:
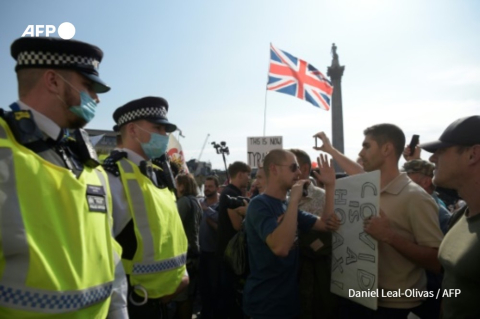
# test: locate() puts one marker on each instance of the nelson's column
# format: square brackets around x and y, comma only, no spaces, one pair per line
[335,72]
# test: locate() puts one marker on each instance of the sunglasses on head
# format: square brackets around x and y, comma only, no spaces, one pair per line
[293,167]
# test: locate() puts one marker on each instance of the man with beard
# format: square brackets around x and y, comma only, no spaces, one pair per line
[271,224]
[57,254]
[208,246]
[456,155]
[407,228]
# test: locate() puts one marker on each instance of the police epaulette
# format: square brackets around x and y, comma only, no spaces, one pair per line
[110,163]
[23,127]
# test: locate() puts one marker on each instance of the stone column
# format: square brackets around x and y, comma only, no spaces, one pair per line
[335,72]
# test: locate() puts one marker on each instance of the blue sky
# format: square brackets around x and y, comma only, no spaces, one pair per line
[412,63]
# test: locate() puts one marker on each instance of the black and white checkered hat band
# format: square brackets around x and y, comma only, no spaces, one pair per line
[32,58]
[148,112]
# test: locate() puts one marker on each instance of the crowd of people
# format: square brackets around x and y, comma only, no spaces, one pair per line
[131,238]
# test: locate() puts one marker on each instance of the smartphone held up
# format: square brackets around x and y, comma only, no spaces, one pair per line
[414,142]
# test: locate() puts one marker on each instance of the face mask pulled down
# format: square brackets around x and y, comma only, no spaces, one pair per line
[87,107]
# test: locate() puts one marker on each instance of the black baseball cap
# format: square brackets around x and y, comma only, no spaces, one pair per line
[463,132]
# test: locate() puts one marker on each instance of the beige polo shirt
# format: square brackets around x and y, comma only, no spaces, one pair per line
[413,214]
[314,202]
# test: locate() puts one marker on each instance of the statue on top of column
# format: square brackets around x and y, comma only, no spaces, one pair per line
[335,61]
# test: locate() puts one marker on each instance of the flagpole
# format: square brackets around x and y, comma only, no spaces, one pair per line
[265,111]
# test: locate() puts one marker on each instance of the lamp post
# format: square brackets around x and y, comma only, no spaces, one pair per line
[222,148]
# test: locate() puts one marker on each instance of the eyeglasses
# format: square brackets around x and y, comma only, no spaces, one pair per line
[293,167]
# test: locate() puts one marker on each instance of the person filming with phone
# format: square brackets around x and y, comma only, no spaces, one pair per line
[271,224]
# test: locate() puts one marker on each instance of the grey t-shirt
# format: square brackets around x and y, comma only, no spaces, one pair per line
[191,214]
[460,259]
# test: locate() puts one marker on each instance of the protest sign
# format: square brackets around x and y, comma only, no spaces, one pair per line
[258,147]
[354,252]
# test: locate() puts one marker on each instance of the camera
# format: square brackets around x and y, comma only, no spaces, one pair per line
[235,202]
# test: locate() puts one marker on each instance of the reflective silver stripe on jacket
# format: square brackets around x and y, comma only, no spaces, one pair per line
[12,228]
[149,264]
[141,215]
[46,301]
[164,265]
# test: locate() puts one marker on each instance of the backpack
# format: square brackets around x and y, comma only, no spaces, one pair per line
[236,255]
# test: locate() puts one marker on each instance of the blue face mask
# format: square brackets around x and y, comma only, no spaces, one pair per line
[157,146]
[87,107]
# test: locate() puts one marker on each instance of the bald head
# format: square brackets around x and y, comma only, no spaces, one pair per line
[276,157]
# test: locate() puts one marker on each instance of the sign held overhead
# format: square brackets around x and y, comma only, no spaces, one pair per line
[258,148]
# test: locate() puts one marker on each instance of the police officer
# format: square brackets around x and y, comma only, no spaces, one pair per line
[146,221]
[57,254]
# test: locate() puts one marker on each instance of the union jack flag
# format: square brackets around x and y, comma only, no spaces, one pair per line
[296,77]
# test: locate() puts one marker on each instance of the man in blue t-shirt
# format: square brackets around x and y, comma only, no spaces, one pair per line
[271,224]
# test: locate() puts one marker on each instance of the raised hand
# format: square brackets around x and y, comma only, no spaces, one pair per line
[415,155]
[326,146]
[327,171]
